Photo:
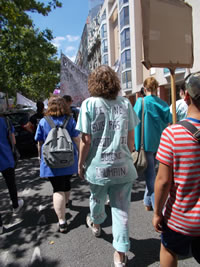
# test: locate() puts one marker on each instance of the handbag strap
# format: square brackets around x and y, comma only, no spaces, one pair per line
[142,125]
[190,127]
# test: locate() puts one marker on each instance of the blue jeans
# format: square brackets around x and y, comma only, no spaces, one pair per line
[120,196]
[150,175]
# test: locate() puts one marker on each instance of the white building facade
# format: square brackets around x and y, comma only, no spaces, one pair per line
[121,46]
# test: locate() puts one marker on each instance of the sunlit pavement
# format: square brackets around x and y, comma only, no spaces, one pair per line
[31,239]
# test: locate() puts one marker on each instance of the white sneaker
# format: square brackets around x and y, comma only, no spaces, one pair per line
[20,205]
[1,230]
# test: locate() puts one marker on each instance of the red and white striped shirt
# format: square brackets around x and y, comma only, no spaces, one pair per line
[179,149]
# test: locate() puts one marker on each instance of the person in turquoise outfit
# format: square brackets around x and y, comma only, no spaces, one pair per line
[156,118]
[107,123]
[58,177]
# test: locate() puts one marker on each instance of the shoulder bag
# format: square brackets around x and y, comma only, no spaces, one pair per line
[139,157]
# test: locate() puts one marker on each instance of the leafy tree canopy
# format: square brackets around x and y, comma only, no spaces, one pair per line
[28,62]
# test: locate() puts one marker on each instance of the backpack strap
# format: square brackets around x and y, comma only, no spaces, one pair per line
[50,121]
[190,127]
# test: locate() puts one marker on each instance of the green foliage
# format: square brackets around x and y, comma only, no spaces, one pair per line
[28,62]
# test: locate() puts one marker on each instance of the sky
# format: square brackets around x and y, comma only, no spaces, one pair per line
[66,24]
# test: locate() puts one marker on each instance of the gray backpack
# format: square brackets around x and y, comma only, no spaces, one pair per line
[58,149]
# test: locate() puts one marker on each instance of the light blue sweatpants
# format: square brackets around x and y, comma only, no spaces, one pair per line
[120,196]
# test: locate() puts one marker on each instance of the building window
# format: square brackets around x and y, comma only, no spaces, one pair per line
[104,46]
[152,71]
[103,31]
[122,2]
[166,70]
[103,17]
[124,17]
[105,59]
[125,38]
[126,80]
[126,59]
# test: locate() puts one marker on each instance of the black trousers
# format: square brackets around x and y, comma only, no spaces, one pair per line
[9,176]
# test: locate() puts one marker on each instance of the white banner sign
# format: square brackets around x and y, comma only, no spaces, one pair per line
[73,81]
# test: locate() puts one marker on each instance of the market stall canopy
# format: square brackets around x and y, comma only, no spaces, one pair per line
[24,101]
[167,34]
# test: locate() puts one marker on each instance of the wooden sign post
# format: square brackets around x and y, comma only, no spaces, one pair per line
[167,40]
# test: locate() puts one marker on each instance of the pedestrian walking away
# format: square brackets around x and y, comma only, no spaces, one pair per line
[178,182]
[107,123]
[58,176]
[7,164]
[73,109]
[181,106]
[31,126]
[156,117]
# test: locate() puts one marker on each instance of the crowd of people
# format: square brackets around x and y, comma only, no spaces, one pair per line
[104,135]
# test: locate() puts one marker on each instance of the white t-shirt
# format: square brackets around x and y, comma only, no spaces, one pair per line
[108,122]
[181,109]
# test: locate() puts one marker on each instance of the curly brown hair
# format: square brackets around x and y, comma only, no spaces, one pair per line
[57,107]
[151,84]
[104,82]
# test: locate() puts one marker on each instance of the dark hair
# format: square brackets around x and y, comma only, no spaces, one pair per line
[104,82]
[40,106]
[57,107]
[142,93]
[67,98]
[182,87]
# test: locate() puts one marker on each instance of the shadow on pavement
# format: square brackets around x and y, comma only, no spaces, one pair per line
[42,263]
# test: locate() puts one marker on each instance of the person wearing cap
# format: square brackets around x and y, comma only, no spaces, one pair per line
[177,185]
[181,106]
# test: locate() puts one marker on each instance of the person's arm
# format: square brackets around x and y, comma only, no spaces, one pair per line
[13,139]
[85,143]
[40,143]
[29,127]
[161,189]
[131,140]
[77,142]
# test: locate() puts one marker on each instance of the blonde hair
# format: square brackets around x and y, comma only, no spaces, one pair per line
[57,107]
[151,84]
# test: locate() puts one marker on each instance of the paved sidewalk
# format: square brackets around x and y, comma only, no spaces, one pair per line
[32,240]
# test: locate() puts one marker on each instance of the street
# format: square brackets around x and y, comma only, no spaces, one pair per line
[32,238]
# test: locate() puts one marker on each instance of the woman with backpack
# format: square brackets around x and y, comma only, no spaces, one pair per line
[57,120]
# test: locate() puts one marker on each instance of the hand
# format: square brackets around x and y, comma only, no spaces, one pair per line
[157,223]
[81,171]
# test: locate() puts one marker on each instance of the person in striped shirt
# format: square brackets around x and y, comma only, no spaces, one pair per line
[177,185]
